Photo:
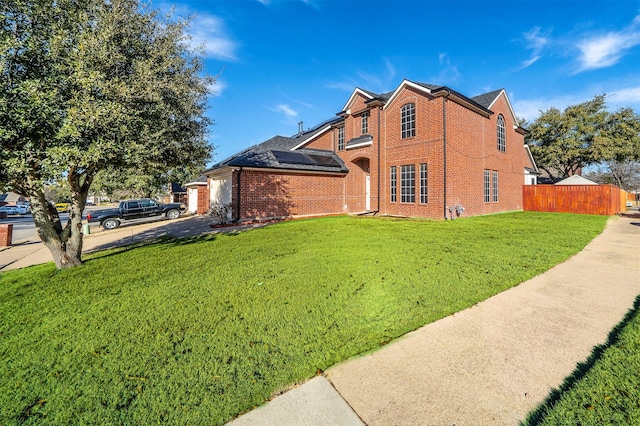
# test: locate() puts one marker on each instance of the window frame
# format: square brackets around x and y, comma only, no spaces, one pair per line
[364,123]
[494,186]
[501,134]
[408,120]
[487,186]
[393,184]
[340,138]
[423,183]
[408,183]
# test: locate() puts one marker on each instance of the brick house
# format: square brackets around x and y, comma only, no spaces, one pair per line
[421,150]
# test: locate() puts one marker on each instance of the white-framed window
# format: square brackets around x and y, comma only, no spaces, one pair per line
[487,186]
[364,118]
[501,134]
[494,184]
[341,138]
[408,120]
[408,183]
[393,184]
[423,183]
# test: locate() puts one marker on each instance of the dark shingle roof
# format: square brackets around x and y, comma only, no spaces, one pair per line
[276,153]
[176,188]
[488,98]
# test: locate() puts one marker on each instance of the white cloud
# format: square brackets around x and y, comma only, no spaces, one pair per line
[530,109]
[210,32]
[628,96]
[286,110]
[536,42]
[448,74]
[605,50]
[374,81]
[216,88]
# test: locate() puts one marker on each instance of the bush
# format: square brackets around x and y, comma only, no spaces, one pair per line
[221,212]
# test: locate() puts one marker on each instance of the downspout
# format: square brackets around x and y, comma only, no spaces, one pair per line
[238,195]
[379,171]
[444,146]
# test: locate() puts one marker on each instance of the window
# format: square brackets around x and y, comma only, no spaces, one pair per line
[487,186]
[365,122]
[495,186]
[423,183]
[501,134]
[393,182]
[340,138]
[408,120]
[407,184]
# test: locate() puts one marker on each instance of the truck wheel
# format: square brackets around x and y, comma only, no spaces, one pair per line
[173,214]
[110,224]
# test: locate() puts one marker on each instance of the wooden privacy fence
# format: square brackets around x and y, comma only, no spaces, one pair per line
[585,199]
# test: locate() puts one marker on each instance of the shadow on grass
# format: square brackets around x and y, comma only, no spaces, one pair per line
[537,416]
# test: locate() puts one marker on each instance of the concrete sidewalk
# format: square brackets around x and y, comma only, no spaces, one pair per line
[32,252]
[490,364]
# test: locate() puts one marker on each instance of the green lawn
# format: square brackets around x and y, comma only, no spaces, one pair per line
[197,331]
[604,390]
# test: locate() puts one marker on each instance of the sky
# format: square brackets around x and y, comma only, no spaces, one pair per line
[279,62]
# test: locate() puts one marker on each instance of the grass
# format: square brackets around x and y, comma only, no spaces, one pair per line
[603,390]
[197,331]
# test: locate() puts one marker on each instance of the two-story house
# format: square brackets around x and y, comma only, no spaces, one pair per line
[421,150]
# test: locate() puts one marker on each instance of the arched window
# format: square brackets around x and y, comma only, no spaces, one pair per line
[408,120]
[502,135]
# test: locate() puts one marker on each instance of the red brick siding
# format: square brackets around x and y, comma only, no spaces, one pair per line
[6,234]
[471,149]
[280,194]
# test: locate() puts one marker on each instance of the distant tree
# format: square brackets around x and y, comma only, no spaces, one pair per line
[561,141]
[133,184]
[91,85]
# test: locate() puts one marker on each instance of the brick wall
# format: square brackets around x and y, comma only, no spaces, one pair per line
[279,194]
[6,234]
[471,148]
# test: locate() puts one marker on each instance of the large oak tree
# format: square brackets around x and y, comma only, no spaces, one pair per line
[91,85]
[563,142]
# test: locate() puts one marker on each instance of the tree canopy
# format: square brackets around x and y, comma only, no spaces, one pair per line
[563,142]
[92,85]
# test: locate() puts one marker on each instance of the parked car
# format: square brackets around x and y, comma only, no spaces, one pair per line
[63,207]
[135,209]
[23,208]
[629,204]
[7,209]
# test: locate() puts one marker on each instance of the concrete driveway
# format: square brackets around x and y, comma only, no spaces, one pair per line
[31,251]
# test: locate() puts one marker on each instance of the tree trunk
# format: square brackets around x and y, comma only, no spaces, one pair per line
[64,243]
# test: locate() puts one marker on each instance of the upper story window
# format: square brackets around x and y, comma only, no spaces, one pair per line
[501,134]
[340,138]
[365,122]
[408,120]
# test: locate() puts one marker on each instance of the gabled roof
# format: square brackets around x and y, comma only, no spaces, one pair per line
[435,90]
[531,159]
[278,153]
[202,180]
[490,98]
[305,137]
[576,180]
[176,188]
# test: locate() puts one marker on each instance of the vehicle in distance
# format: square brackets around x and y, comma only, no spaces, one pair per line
[63,207]
[135,209]
[14,209]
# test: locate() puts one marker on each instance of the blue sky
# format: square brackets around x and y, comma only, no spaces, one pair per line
[279,62]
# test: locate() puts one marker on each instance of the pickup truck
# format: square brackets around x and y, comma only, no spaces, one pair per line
[135,209]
